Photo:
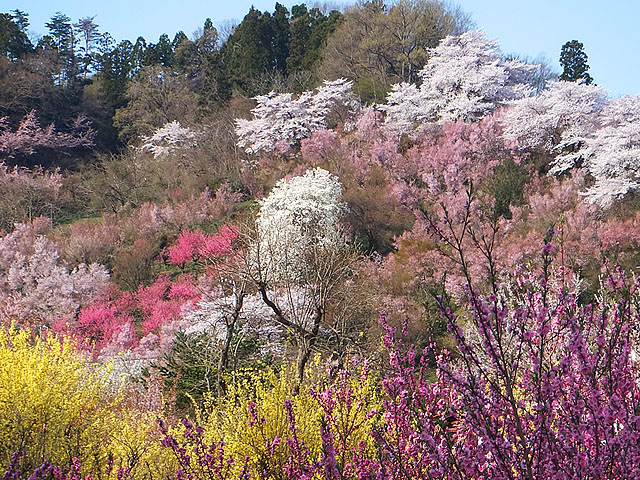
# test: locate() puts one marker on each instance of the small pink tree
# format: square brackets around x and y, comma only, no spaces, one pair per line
[35,287]
[30,138]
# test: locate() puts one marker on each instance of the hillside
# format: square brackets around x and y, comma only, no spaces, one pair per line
[331,244]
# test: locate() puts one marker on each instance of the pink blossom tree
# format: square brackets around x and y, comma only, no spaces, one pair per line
[35,288]
[30,139]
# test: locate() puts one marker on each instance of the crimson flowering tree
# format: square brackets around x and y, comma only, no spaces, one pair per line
[196,245]
[143,321]
[216,254]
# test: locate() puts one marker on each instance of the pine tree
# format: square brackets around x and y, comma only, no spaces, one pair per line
[14,42]
[61,32]
[574,62]
[281,37]
[89,35]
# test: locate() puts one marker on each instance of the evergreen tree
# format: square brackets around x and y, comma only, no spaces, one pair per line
[208,41]
[14,42]
[321,27]
[249,51]
[309,32]
[281,36]
[574,63]
[138,55]
[89,35]
[60,30]
[113,80]
[178,39]
[161,53]
[21,18]
[116,72]
[61,33]
[300,31]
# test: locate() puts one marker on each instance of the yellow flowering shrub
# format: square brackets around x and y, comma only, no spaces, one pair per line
[253,422]
[57,405]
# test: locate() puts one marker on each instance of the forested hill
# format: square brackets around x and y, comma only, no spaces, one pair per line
[347,244]
[128,89]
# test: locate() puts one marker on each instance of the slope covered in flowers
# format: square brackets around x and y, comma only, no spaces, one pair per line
[494,223]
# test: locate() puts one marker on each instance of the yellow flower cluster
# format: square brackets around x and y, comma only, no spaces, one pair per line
[55,405]
[247,434]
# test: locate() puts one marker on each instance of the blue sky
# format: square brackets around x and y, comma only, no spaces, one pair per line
[608,29]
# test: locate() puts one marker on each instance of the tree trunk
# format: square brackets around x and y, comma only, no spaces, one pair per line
[231,322]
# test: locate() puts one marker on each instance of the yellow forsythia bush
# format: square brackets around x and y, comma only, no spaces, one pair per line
[57,405]
[249,434]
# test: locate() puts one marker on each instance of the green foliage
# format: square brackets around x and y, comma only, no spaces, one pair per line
[160,53]
[249,50]
[14,41]
[155,96]
[190,368]
[309,33]
[375,45]
[573,60]
[265,48]
[507,187]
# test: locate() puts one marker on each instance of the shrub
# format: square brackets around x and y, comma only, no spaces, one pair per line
[57,407]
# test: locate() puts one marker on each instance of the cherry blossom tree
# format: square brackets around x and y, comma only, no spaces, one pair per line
[30,138]
[168,138]
[582,128]
[558,119]
[34,286]
[465,78]
[280,121]
[611,152]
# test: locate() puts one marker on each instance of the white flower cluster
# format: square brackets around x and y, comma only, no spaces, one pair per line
[298,214]
[256,318]
[583,128]
[279,119]
[465,78]
[558,119]
[168,138]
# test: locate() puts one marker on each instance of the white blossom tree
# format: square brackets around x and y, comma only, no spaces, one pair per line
[300,265]
[559,119]
[280,121]
[466,77]
[583,129]
[612,152]
[297,214]
[254,318]
[168,138]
